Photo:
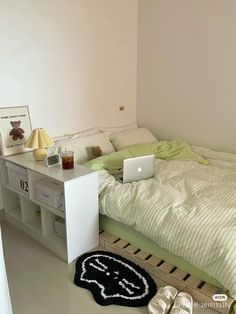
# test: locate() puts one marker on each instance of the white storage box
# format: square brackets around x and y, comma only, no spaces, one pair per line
[18,178]
[48,192]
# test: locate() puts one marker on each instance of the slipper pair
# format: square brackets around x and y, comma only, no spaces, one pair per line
[168,300]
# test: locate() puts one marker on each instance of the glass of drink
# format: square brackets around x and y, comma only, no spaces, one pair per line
[67,158]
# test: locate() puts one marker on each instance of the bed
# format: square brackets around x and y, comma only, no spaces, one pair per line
[186,214]
[187,211]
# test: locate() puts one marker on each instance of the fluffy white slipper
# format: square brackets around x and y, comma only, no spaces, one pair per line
[183,304]
[162,301]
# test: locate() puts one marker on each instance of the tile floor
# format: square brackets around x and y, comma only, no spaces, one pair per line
[41,283]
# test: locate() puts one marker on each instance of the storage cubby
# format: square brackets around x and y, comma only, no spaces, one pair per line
[49,232]
[12,203]
[31,215]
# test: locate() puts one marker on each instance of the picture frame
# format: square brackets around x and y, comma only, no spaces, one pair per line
[15,129]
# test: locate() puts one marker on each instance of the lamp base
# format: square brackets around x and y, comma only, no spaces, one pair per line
[40,153]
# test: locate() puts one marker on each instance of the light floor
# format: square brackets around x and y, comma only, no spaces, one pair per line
[41,283]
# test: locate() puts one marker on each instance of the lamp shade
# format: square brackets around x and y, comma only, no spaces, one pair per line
[39,139]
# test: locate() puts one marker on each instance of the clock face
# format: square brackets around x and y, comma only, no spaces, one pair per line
[53,160]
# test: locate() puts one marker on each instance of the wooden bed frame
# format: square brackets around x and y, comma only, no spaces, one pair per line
[171,275]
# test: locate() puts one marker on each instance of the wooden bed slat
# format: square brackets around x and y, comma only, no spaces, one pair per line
[121,244]
[109,237]
[179,274]
[193,282]
[142,255]
[166,267]
[209,289]
[153,261]
[131,249]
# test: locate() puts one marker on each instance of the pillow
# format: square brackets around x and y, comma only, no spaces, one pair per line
[109,130]
[80,144]
[61,138]
[75,135]
[137,136]
[85,133]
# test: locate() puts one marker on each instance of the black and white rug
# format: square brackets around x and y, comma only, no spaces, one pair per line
[113,279]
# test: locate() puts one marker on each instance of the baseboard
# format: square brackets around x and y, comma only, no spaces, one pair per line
[1,215]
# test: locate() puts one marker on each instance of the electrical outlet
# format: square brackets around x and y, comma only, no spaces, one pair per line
[121,107]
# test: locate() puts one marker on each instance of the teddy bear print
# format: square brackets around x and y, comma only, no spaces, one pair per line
[16,131]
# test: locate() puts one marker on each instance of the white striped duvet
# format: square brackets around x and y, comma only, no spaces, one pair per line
[187,208]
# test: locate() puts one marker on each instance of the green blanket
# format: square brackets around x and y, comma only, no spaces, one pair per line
[167,150]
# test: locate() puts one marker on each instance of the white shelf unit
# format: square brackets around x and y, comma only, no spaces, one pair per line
[80,187]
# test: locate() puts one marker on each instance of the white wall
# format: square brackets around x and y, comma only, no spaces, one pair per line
[72,62]
[187,70]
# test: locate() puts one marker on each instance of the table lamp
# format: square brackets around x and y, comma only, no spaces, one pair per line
[39,140]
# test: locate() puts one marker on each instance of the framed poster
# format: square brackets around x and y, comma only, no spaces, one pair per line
[15,128]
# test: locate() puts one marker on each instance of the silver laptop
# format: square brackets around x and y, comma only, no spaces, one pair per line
[136,169]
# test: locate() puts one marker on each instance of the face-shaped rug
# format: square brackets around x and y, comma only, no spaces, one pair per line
[113,279]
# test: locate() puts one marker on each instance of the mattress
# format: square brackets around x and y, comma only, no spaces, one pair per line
[187,209]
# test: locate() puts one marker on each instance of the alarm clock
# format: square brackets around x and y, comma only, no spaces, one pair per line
[52,160]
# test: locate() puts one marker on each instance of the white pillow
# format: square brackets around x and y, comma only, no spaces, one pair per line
[109,130]
[77,134]
[81,144]
[137,136]
[61,138]
[85,133]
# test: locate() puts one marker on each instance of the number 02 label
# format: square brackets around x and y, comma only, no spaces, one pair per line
[24,185]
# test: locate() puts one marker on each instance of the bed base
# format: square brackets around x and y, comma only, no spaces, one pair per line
[169,274]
